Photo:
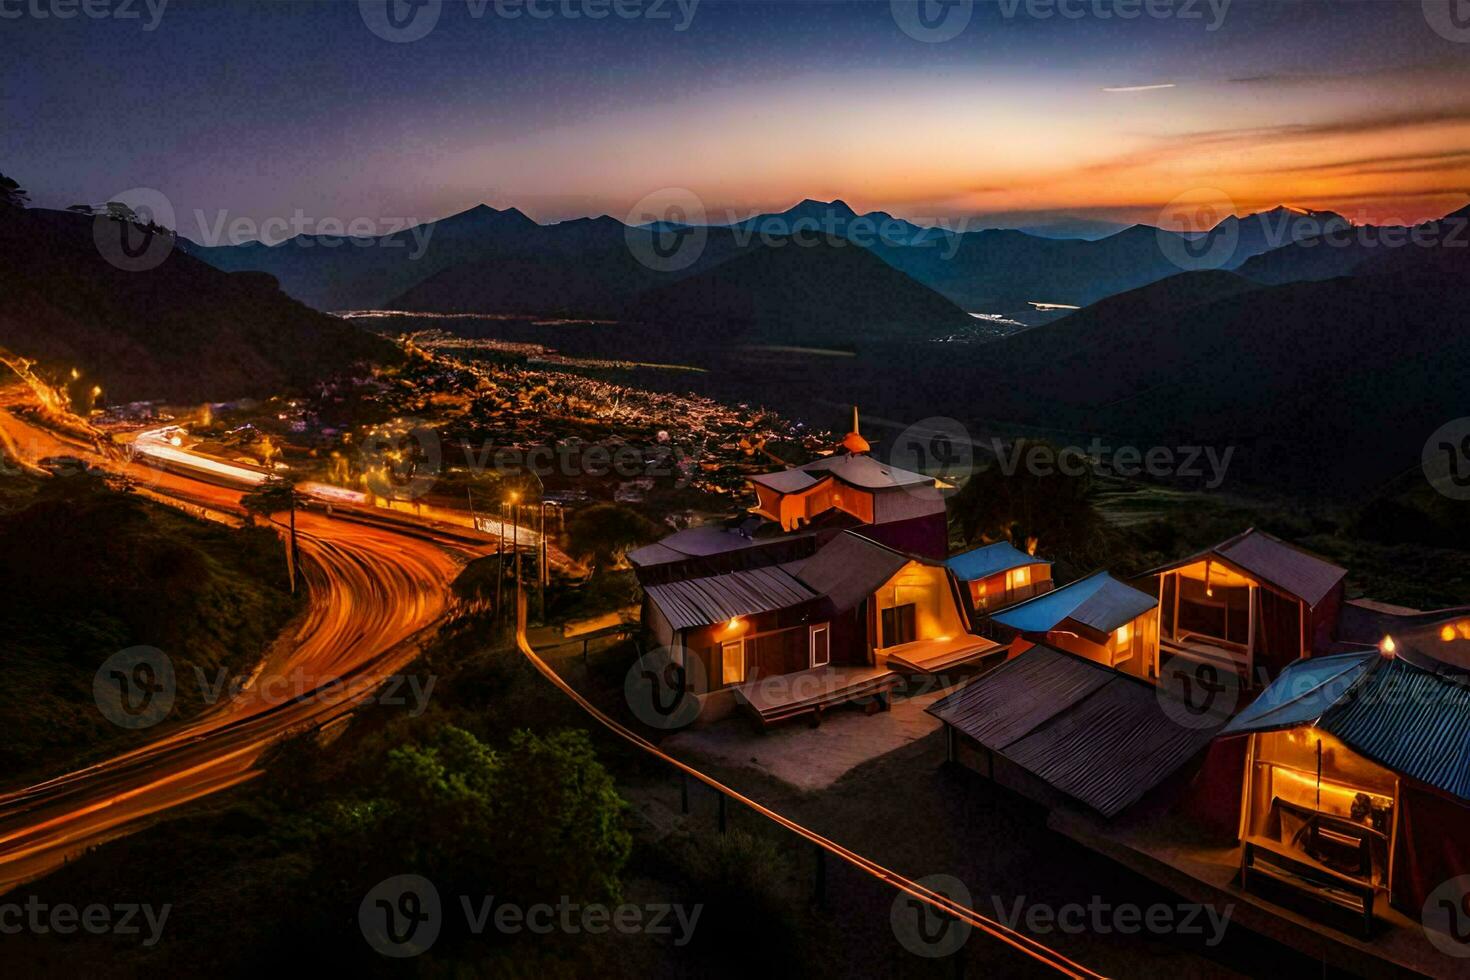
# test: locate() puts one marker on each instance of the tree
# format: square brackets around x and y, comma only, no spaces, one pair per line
[604,533]
[540,819]
[271,496]
[12,195]
[1034,506]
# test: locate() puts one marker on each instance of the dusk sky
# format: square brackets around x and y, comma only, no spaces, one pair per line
[261,110]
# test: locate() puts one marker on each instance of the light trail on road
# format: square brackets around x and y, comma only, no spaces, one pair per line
[374,589]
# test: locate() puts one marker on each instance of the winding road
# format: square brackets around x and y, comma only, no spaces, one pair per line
[375,589]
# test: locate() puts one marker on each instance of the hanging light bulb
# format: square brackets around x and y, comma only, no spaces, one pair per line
[1209,589]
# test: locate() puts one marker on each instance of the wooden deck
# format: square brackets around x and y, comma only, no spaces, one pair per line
[782,697]
[927,657]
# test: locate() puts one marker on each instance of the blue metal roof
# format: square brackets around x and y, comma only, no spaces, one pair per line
[1412,720]
[1303,693]
[1098,601]
[992,559]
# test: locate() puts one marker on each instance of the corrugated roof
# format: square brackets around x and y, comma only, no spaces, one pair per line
[863,471]
[716,598]
[1099,736]
[1099,601]
[992,559]
[1404,717]
[849,568]
[1274,562]
[1413,721]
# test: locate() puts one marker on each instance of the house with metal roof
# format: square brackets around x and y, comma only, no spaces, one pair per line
[999,575]
[800,508]
[1097,617]
[1064,728]
[1251,604]
[845,624]
[1357,781]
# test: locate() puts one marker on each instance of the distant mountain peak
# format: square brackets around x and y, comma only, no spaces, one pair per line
[838,207]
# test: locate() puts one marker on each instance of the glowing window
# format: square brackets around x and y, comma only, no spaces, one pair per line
[732,662]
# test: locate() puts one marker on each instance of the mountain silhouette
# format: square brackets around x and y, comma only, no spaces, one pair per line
[182,330]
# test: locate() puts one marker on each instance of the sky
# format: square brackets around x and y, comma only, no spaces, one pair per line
[1009,112]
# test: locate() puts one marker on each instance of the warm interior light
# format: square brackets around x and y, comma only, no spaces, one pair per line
[1124,633]
[1387,646]
[1447,633]
[734,624]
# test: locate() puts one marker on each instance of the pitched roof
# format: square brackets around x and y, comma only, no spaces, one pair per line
[849,568]
[1099,601]
[787,481]
[990,559]
[1274,562]
[715,598]
[1099,736]
[1407,718]
[865,472]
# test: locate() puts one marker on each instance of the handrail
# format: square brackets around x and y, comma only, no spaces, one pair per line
[943,903]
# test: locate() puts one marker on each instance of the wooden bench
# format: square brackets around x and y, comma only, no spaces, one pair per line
[1299,872]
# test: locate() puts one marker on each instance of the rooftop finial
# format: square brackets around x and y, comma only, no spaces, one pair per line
[854,442]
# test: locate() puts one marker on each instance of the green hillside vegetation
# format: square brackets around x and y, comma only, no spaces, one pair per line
[88,571]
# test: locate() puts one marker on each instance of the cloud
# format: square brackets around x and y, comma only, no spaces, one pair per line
[1140,88]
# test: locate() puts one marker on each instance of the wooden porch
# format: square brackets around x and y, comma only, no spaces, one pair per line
[811,692]
[928,657]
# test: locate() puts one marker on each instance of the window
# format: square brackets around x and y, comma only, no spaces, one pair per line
[1122,644]
[821,646]
[1018,577]
[732,662]
[900,624]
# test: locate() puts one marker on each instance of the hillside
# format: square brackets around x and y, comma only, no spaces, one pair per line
[826,293]
[88,572]
[182,331]
[363,273]
[1331,386]
[1345,253]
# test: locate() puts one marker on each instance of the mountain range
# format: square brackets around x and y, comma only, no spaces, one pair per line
[182,330]
[493,261]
